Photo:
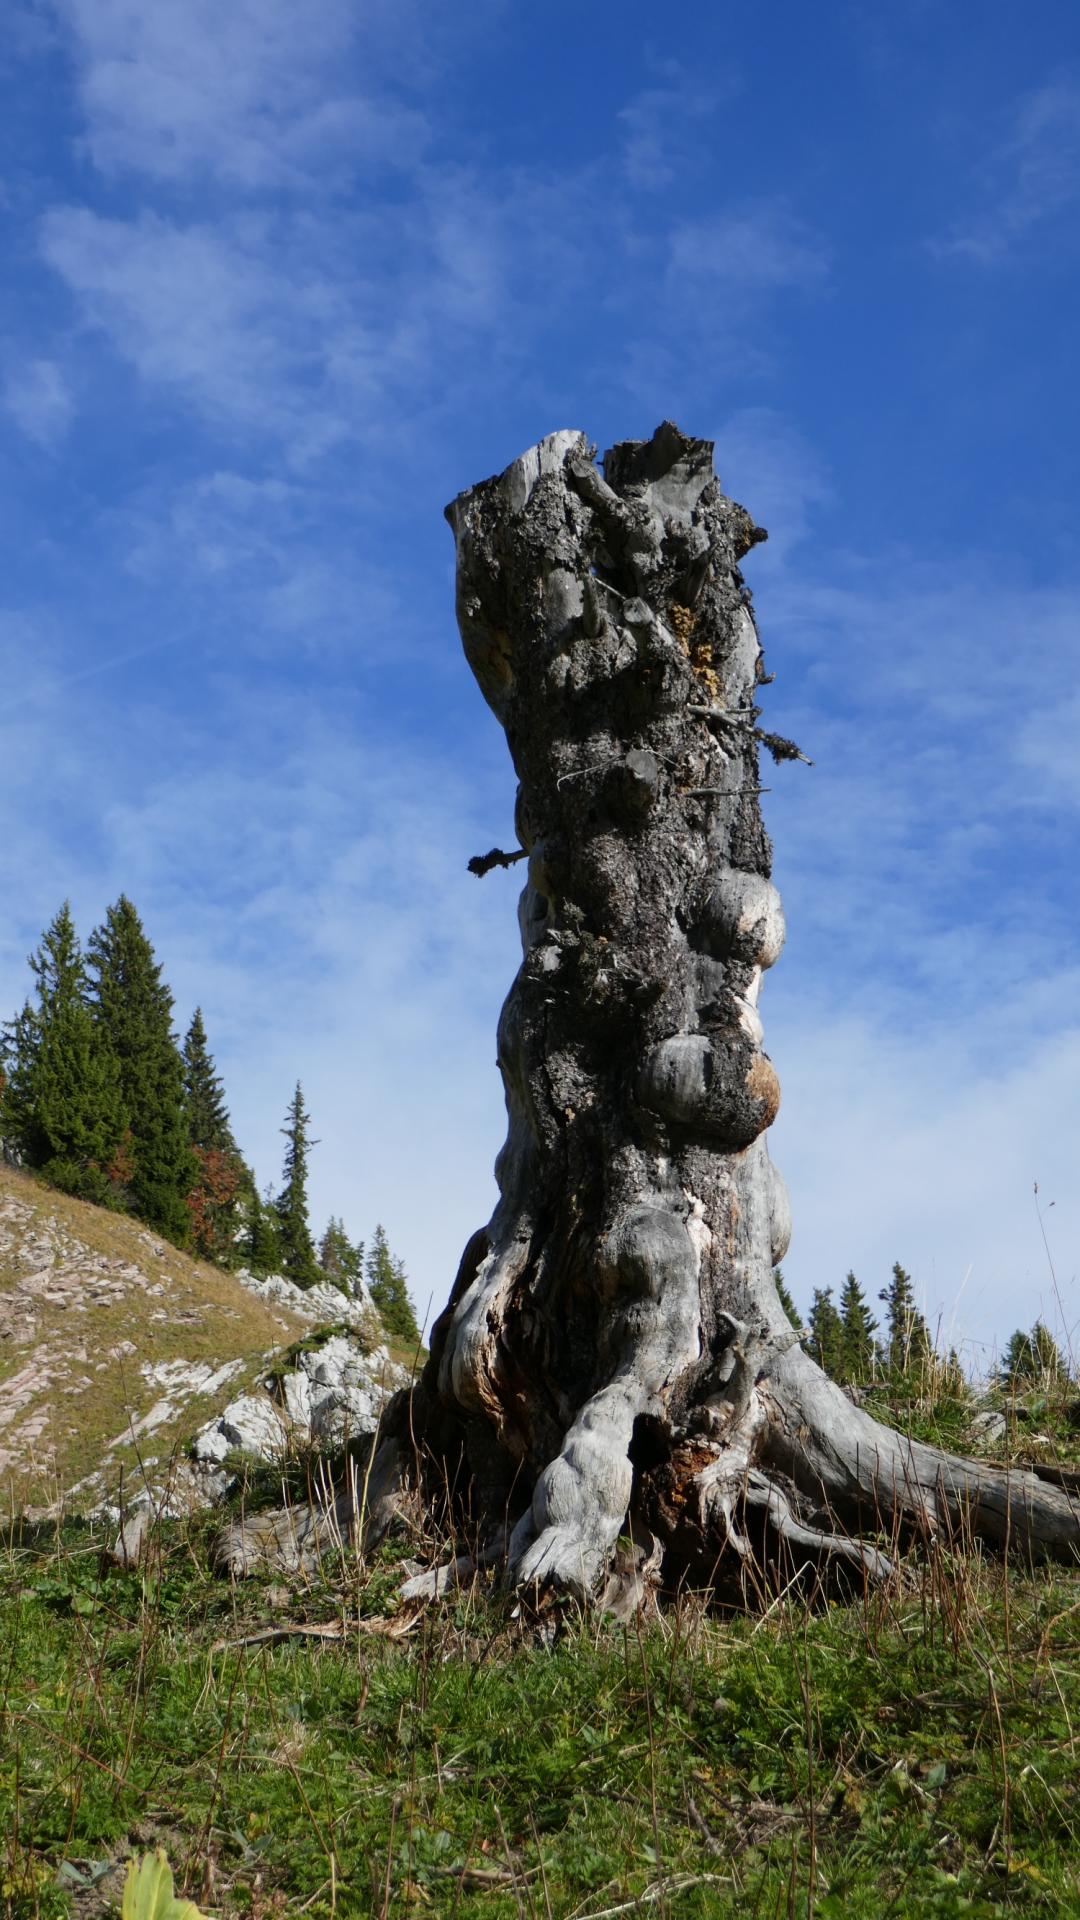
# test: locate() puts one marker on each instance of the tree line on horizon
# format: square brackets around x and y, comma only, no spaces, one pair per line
[844,1340]
[101,1100]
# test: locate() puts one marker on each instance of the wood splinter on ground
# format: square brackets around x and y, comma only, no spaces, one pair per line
[614,1374]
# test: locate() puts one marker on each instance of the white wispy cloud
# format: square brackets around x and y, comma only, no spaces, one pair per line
[37,396]
[759,249]
[187,89]
[925,1149]
[201,311]
[1028,182]
[778,475]
[660,124]
[923,1016]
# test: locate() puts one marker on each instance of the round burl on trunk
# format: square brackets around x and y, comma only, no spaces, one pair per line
[614,1359]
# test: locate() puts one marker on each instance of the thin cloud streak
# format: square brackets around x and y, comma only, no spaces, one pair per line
[1032,179]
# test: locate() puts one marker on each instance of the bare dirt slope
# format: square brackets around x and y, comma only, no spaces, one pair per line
[114,1347]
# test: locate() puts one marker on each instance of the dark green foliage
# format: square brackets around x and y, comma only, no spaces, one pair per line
[19,1047]
[260,1243]
[215,1201]
[826,1334]
[204,1093]
[133,1011]
[1033,1358]
[908,1348]
[386,1284]
[298,1260]
[62,1106]
[340,1260]
[787,1302]
[857,1330]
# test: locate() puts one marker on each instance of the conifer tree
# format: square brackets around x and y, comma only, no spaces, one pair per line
[133,1011]
[340,1260]
[787,1302]
[20,1046]
[387,1286]
[212,1202]
[298,1260]
[260,1243]
[825,1342]
[952,1380]
[208,1122]
[908,1347]
[857,1330]
[1033,1358]
[62,1104]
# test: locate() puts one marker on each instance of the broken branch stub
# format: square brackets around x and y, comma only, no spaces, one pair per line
[614,1356]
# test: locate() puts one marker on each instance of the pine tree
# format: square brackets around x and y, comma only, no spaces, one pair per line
[1033,1358]
[825,1342]
[787,1302]
[298,1260]
[62,1104]
[857,1330]
[908,1347]
[340,1260]
[133,1011]
[387,1286]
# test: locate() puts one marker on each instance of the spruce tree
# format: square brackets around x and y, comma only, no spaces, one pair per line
[213,1200]
[908,1347]
[340,1260]
[260,1242]
[20,1046]
[298,1260]
[387,1286]
[857,1330]
[133,1011]
[787,1302]
[825,1342]
[1033,1359]
[207,1115]
[62,1104]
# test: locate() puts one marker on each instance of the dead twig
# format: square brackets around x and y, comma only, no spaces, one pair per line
[482,863]
[395,1628]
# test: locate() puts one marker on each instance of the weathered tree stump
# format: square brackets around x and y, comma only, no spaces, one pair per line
[614,1358]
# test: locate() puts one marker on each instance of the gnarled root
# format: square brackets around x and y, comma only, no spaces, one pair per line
[780,1480]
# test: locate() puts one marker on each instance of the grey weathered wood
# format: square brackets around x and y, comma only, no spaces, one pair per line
[614,1341]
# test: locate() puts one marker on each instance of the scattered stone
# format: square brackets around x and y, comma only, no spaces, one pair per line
[989,1427]
[128,1547]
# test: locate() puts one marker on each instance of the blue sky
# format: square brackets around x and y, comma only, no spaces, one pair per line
[279,282]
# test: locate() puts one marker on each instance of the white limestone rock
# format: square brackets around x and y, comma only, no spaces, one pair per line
[323,1305]
[251,1424]
[333,1393]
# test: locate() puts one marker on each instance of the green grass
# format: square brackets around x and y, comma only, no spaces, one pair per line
[913,1754]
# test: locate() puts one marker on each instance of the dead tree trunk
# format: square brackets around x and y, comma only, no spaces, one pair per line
[614,1354]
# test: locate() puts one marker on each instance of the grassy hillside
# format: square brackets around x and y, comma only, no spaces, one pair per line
[100,1324]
